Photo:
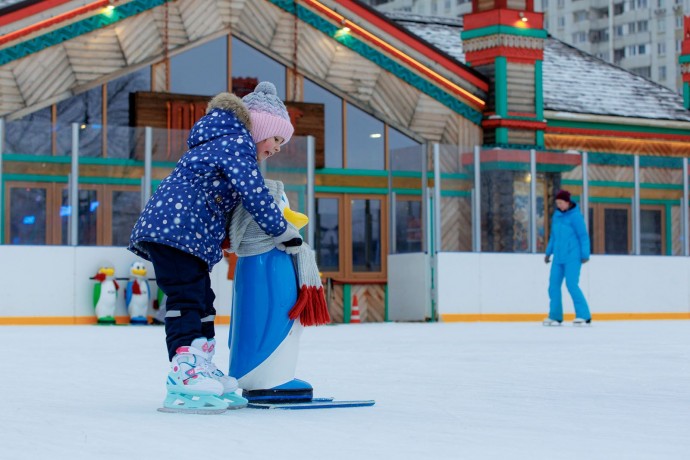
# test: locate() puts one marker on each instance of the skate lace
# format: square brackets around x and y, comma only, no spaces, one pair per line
[213,369]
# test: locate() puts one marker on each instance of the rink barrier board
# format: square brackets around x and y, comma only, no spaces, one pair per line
[446,318]
[74,321]
[511,317]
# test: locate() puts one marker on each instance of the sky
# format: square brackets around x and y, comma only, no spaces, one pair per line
[442,391]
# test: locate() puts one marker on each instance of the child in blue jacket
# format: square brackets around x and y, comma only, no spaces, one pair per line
[569,245]
[184,223]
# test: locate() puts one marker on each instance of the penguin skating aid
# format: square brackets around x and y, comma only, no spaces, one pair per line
[274,295]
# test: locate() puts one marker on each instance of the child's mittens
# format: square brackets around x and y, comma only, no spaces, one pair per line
[289,241]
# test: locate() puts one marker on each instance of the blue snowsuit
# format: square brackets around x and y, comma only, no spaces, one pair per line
[184,223]
[569,245]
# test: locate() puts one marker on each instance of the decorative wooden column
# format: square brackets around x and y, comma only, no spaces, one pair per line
[504,40]
[684,61]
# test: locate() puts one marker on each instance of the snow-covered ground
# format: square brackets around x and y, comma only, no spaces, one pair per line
[444,391]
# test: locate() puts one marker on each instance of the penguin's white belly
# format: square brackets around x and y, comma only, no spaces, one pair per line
[107,300]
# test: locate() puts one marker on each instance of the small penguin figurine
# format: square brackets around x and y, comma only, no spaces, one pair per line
[105,295]
[137,294]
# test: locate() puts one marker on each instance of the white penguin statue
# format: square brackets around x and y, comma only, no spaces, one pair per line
[105,295]
[137,294]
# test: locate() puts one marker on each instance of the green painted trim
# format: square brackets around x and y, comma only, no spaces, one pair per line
[516,166]
[456,176]
[385,303]
[686,95]
[164,164]
[111,162]
[351,172]
[25,158]
[456,193]
[539,92]
[34,178]
[540,138]
[684,59]
[501,90]
[502,30]
[628,160]
[408,174]
[76,29]
[347,303]
[502,134]
[616,127]
[109,180]
[381,60]
[628,185]
[610,200]
[329,189]
[408,192]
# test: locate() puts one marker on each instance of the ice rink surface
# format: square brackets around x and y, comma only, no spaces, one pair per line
[616,390]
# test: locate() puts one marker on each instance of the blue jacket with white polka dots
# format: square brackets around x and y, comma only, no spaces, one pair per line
[189,208]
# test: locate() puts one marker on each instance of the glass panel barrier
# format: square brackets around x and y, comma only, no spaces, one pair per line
[661,192]
[612,187]
[505,205]
[27,215]
[457,185]
[556,171]
[406,164]
[290,167]
[28,138]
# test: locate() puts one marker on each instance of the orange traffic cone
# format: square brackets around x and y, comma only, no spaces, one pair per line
[354,313]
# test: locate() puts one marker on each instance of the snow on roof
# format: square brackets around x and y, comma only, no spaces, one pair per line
[4,3]
[574,81]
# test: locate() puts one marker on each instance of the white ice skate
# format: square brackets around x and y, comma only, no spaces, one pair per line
[551,322]
[233,400]
[191,389]
[582,322]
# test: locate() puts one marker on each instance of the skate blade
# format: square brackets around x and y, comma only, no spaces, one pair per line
[234,401]
[189,404]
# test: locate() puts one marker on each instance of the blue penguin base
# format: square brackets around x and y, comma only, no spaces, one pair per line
[264,342]
[295,391]
[139,321]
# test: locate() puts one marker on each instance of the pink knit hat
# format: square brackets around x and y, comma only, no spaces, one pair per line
[268,113]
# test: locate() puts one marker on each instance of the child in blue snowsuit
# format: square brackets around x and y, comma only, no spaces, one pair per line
[184,223]
[569,245]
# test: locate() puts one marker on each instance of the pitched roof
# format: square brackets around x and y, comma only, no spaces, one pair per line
[574,81]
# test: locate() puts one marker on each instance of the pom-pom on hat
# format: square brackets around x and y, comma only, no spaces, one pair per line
[563,195]
[268,113]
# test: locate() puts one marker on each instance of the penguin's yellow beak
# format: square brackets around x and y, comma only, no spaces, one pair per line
[107,271]
[297,219]
[139,272]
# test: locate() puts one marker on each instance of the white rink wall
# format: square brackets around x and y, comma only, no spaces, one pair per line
[52,285]
[472,285]
[52,282]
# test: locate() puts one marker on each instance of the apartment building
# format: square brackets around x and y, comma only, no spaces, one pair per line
[643,36]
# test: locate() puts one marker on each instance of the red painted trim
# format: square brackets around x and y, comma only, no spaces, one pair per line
[521,156]
[619,134]
[52,21]
[520,55]
[30,11]
[507,123]
[503,17]
[406,38]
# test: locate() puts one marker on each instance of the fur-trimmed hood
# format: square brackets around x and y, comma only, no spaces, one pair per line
[226,116]
[232,103]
